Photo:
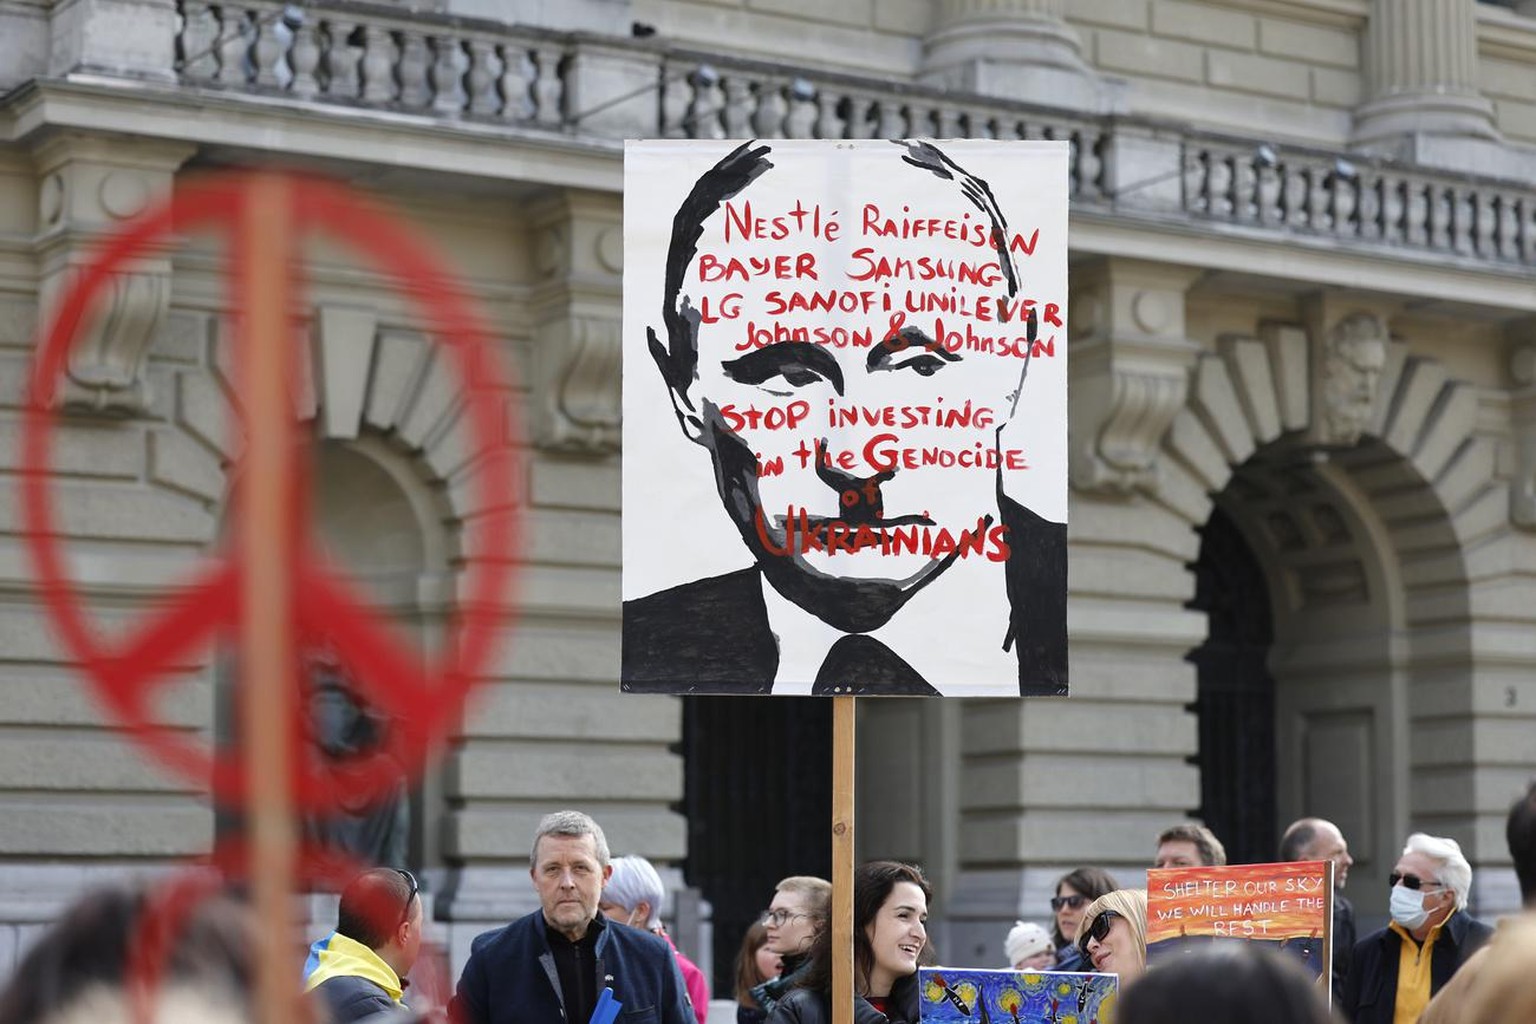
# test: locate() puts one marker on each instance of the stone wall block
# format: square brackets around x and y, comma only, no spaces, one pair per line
[1248,364]
[343,355]
[205,411]
[1191,439]
[1416,392]
[181,464]
[400,361]
[1451,420]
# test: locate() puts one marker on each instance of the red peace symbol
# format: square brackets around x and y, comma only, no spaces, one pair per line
[423,702]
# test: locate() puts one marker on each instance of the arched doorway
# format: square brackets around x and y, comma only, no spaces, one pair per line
[1235,701]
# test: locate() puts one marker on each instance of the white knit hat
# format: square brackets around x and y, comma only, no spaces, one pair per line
[1025,939]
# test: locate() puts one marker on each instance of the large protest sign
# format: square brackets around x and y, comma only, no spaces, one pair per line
[949,995]
[1288,906]
[845,417]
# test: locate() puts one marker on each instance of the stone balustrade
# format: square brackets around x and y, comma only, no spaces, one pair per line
[374,57]
[360,55]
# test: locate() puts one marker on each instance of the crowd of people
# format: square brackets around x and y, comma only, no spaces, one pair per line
[597,939]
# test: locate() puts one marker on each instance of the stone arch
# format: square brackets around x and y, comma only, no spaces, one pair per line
[1366,548]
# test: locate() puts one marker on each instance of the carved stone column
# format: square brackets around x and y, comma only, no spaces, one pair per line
[1129,371]
[88,186]
[579,249]
[1023,49]
[1421,77]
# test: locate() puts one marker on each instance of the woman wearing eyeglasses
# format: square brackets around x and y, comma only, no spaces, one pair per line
[796,916]
[1396,970]
[890,938]
[1074,891]
[1113,934]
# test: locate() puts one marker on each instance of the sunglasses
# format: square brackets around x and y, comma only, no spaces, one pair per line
[1057,902]
[1098,931]
[405,911]
[1413,882]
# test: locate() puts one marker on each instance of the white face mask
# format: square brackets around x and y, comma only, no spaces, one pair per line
[1407,907]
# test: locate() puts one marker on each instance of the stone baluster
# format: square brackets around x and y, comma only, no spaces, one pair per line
[703,120]
[378,65]
[828,124]
[548,89]
[340,59]
[304,58]
[480,79]
[413,70]
[234,47]
[445,75]
[268,50]
[800,122]
[675,96]
[200,63]
[516,84]
[738,105]
[893,122]
[768,118]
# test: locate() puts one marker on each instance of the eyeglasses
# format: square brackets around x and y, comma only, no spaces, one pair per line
[405,911]
[779,918]
[1074,901]
[1413,882]
[1099,930]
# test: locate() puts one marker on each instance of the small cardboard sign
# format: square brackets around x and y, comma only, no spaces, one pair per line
[1287,906]
[950,995]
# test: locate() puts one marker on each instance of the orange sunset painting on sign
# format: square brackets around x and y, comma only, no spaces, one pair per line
[1289,906]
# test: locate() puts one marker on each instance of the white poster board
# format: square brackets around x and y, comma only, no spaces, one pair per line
[845,418]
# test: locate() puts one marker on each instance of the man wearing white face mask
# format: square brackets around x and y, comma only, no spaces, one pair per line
[1396,970]
[633,896]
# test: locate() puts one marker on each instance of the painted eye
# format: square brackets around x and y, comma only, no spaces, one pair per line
[925,365]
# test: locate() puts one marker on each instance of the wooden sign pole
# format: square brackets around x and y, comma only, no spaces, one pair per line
[267,548]
[842,859]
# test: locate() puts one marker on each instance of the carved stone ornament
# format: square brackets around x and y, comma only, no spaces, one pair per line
[106,363]
[1353,357]
[578,383]
[1130,374]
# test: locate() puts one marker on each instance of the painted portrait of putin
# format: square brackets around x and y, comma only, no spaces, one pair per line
[847,357]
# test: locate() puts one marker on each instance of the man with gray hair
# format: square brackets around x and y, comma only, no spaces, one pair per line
[633,896]
[553,964]
[1395,971]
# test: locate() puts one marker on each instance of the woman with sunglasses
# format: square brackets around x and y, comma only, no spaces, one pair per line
[1113,934]
[1074,891]
[890,938]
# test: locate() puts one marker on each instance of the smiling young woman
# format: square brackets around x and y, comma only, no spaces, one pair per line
[890,940]
[1113,934]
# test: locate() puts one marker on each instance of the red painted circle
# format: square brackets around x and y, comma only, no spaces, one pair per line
[423,703]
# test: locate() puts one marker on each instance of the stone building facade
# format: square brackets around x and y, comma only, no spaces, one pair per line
[1303,409]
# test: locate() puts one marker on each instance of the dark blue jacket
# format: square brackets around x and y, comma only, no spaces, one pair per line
[511,978]
[1370,989]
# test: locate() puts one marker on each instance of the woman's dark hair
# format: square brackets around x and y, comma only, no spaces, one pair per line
[1089,882]
[93,943]
[746,962]
[872,886]
[1231,983]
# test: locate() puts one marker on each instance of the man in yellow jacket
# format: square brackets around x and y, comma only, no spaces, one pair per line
[359,969]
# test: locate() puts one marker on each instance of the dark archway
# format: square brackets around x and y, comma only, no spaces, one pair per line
[1235,701]
[758,798]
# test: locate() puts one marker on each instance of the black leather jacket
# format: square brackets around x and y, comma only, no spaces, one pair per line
[805,1006]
